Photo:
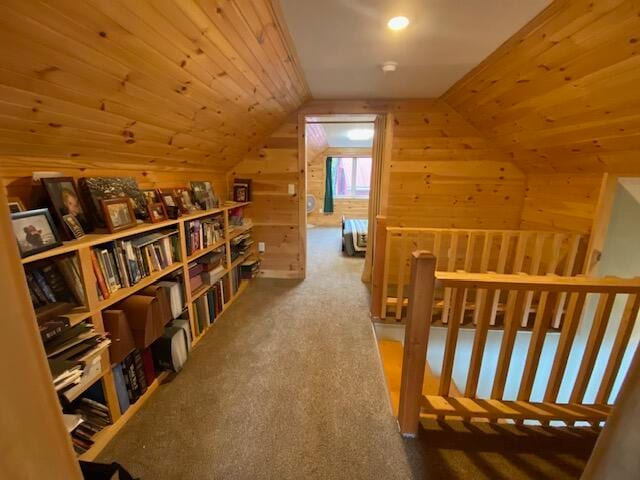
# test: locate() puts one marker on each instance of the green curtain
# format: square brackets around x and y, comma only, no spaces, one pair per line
[330,175]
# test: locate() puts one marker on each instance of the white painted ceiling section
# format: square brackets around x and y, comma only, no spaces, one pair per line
[337,135]
[632,185]
[343,43]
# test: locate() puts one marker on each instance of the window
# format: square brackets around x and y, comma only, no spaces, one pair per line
[352,177]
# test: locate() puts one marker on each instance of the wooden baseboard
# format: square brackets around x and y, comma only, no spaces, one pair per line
[279,274]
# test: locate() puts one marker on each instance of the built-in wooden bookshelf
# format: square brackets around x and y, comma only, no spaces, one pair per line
[93,305]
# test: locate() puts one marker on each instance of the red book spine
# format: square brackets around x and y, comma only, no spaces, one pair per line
[96,270]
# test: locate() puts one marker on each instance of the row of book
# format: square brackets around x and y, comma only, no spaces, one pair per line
[123,263]
[133,376]
[201,234]
[207,269]
[55,285]
[240,245]
[207,307]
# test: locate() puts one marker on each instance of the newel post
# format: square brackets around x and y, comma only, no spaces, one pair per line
[416,337]
[377,277]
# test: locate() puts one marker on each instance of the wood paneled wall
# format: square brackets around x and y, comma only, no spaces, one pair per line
[316,171]
[274,212]
[150,84]
[560,202]
[562,94]
[443,173]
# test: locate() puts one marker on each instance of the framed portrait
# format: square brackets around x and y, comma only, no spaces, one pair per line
[151,196]
[15,205]
[203,195]
[184,200]
[240,193]
[118,214]
[73,225]
[157,212]
[35,231]
[64,200]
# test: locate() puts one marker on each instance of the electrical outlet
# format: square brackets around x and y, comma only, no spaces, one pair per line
[292,189]
[261,247]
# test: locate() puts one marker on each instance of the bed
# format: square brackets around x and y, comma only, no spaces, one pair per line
[354,236]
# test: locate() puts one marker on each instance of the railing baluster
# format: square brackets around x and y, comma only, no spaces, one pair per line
[453,326]
[540,327]
[403,264]
[512,320]
[594,342]
[378,296]
[620,345]
[479,341]
[385,282]
[567,336]
[451,266]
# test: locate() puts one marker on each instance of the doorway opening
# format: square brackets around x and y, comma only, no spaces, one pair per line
[339,156]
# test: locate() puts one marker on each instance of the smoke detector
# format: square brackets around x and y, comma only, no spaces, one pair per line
[388,67]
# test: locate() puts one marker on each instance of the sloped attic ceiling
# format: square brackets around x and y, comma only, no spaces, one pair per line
[146,83]
[563,94]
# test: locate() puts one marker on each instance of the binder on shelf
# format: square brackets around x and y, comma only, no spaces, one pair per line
[122,342]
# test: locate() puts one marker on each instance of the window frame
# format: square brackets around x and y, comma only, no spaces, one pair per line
[352,188]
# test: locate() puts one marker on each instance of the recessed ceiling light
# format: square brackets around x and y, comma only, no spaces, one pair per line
[360,134]
[398,23]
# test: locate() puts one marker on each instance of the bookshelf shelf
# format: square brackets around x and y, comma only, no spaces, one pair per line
[145,282]
[239,260]
[209,249]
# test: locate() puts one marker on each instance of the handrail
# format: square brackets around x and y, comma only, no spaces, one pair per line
[556,297]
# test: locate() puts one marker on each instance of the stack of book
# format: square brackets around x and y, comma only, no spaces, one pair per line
[71,352]
[123,263]
[207,307]
[249,268]
[240,245]
[95,416]
[201,234]
[212,266]
[55,286]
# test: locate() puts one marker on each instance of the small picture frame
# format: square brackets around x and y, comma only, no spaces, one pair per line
[151,196]
[184,201]
[157,212]
[118,214]
[73,225]
[168,197]
[240,193]
[65,200]
[35,231]
[15,205]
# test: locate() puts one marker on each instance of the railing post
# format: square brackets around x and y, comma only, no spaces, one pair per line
[377,278]
[416,336]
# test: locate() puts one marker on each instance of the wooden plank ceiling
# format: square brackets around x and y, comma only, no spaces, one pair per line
[563,95]
[146,83]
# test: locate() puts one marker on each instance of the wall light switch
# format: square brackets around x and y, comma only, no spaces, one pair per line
[261,247]
[292,189]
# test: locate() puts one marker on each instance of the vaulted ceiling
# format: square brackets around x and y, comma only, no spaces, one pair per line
[563,95]
[188,84]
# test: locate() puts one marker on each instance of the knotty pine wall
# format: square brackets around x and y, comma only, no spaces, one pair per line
[274,212]
[143,84]
[349,207]
[444,173]
[562,96]
[560,202]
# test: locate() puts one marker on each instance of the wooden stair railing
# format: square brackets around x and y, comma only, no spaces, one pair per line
[564,297]
[468,250]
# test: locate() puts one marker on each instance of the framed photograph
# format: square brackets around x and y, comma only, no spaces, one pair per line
[118,214]
[96,189]
[168,197]
[73,225]
[35,231]
[240,193]
[15,205]
[151,196]
[184,201]
[157,212]
[203,195]
[65,200]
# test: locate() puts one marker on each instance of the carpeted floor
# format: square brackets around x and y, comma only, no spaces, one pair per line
[287,385]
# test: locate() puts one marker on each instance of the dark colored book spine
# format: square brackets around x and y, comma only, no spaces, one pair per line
[42,283]
[131,381]
[139,371]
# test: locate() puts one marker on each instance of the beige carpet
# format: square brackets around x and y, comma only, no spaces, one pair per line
[287,385]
